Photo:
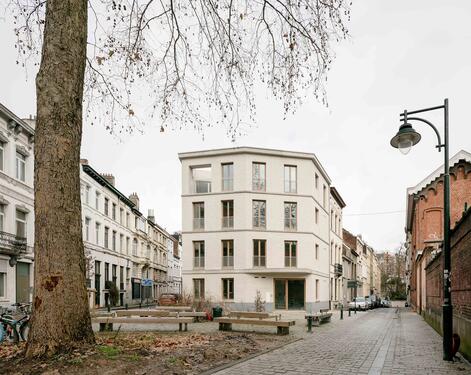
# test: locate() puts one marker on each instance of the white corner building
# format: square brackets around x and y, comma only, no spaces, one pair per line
[257,220]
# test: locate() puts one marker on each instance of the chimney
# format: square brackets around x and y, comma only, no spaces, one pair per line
[134,199]
[108,177]
[150,215]
[84,161]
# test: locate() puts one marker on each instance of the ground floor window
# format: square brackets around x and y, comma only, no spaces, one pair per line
[228,288]
[289,294]
[3,284]
[198,288]
[135,288]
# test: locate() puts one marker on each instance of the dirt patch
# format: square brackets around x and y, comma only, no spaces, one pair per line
[145,353]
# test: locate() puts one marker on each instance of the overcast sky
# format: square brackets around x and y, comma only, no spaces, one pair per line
[402,55]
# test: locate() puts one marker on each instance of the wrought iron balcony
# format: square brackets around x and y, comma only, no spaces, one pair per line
[11,244]
[338,269]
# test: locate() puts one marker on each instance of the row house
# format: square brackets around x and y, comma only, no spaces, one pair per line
[122,246]
[258,222]
[16,208]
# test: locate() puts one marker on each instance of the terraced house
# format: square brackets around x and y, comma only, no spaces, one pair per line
[257,220]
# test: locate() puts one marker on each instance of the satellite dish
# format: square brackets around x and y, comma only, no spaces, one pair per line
[13,260]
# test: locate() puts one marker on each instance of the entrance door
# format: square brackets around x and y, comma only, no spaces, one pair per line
[22,283]
[289,294]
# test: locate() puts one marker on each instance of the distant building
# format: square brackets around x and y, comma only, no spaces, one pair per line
[16,208]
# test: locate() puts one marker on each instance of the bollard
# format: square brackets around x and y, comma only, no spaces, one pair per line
[126,306]
[108,307]
[349,312]
[341,312]
[309,323]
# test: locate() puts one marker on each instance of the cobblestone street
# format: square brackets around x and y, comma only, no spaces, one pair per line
[383,341]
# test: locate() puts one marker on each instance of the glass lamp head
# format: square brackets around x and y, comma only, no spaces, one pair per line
[405,138]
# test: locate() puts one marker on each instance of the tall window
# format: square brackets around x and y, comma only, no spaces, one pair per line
[290,179]
[198,288]
[317,289]
[107,204]
[291,216]
[228,288]
[20,166]
[121,216]
[290,253]
[227,253]
[2,156]
[107,272]
[324,196]
[20,223]
[227,176]
[97,233]
[106,239]
[316,181]
[259,214]
[317,252]
[97,200]
[128,241]
[201,179]
[121,278]
[258,176]
[227,214]
[127,219]
[114,275]
[113,241]
[87,194]
[3,284]
[198,248]
[259,253]
[113,211]
[121,243]
[316,215]
[2,217]
[198,215]
[87,229]
[134,247]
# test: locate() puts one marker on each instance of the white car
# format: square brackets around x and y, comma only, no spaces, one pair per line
[358,303]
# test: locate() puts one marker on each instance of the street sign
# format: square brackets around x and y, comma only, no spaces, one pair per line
[146,282]
[352,284]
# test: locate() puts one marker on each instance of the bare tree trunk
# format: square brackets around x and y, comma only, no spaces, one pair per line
[61,318]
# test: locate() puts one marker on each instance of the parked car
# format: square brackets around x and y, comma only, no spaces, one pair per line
[358,303]
[168,299]
[369,302]
[385,303]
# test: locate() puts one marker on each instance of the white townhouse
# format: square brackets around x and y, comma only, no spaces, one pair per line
[16,208]
[254,220]
[336,244]
[122,246]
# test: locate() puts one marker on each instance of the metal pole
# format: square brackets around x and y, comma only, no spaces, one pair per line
[447,315]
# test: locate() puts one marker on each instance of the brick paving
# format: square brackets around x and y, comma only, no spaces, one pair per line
[383,341]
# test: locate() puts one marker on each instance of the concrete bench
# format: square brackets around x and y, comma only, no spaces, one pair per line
[141,313]
[225,324]
[173,308]
[106,323]
[253,315]
[317,318]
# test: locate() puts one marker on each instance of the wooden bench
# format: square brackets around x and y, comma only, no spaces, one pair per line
[254,318]
[106,323]
[173,308]
[323,316]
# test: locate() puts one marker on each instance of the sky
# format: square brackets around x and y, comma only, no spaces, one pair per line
[401,55]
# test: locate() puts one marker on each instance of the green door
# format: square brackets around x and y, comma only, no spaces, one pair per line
[22,282]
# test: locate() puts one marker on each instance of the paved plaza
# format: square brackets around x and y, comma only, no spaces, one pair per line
[382,341]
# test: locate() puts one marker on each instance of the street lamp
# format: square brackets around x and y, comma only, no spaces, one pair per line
[405,138]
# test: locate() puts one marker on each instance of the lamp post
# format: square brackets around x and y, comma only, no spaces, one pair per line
[405,138]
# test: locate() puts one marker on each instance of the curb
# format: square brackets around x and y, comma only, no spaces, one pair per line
[231,364]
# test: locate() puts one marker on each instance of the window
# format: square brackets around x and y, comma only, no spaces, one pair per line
[258,176]
[316,215]
[113,211]
[121,278]
[97,200]
[20,166]
[97,233]
[290,253]
[2,156]
[228,253]
[121,243]
[316,181]
[107,272]
[106,239]
[198,247]
[201,179]
[114,275]
[324,196]
[290,179]
[259,214]
[317,252]
[107,204]
[20,224]
[134,247]
[127,219]
[3,284]
[87,194]
[227,214]
[259,256]
[228,288]
[87,229]
[128,240]
[227,177]
[198,215]
[198,288]
[2,217]
[121,216]
[290,216]
[317,290]
[113,241]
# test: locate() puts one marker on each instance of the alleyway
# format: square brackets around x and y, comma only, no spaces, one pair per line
[383,341]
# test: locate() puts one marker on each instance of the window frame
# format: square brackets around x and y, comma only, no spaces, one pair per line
[20,162]
[289,168]
[290,223]
[259,184]
[227,184]
[261,222]
[227,288]
[198,254]
[259,259]
[227,220]
[292,248]
[227,247]
[198,215]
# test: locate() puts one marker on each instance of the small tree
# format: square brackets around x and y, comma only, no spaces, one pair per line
[113,292]
[259,302]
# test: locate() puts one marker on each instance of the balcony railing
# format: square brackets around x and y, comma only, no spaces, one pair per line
[290,224]
[11,244]
[338,269]
[228,261]
[259,261]
[228,222]
[290,261]
[198,223]
[198,262]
